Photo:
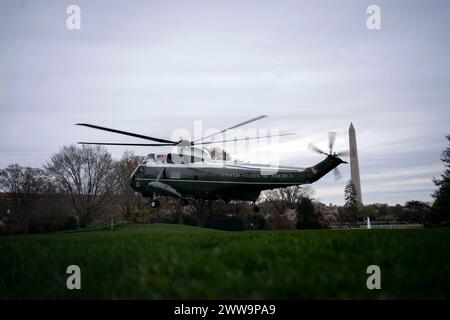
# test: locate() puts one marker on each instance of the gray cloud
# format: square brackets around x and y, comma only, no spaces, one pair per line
[154,66]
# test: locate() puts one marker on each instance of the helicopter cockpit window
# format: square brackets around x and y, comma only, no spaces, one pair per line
[140,171]
[182,159]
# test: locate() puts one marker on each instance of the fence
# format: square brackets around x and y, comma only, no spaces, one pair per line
[377,225]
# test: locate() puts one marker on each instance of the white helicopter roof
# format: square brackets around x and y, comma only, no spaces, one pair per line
[198,153]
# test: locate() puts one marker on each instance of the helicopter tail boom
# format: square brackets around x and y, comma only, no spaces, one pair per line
[331,162]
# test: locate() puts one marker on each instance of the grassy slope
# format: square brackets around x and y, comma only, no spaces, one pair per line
[170,262]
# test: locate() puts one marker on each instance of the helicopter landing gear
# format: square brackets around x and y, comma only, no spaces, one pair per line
[255,208]
[154,203]
[184,202]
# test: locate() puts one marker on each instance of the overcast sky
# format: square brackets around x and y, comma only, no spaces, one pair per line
[312,66]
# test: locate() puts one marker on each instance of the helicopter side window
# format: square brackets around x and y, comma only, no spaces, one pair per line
[139,171]
[191,159]
[169,158]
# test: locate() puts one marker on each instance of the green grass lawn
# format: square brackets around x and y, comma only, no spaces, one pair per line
[172,262]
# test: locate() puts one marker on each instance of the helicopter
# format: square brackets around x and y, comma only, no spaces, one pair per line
[191,173]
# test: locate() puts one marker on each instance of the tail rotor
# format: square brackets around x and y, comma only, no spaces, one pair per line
[331,140]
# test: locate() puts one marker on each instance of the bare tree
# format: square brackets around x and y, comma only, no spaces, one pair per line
[287,198]
[84,174]
[205,210]
[24,186]
[175,209]
[126,197]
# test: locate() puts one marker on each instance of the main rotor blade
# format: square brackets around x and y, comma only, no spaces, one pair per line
[331,140]
[315,149]
[233,127]
[345,153]
[337,174]
[248,138]
[128,144]
[127,133]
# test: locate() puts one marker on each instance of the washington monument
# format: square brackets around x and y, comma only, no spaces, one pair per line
[354,163]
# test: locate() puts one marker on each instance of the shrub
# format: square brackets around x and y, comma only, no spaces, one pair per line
[229,223]
[70,223]
[306,215]
[189,220]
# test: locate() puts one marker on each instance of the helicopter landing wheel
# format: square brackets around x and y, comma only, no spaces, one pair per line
[184,202]
[154,203]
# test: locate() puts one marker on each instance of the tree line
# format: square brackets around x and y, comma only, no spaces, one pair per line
[75,186]
[81,186]
[435,214]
